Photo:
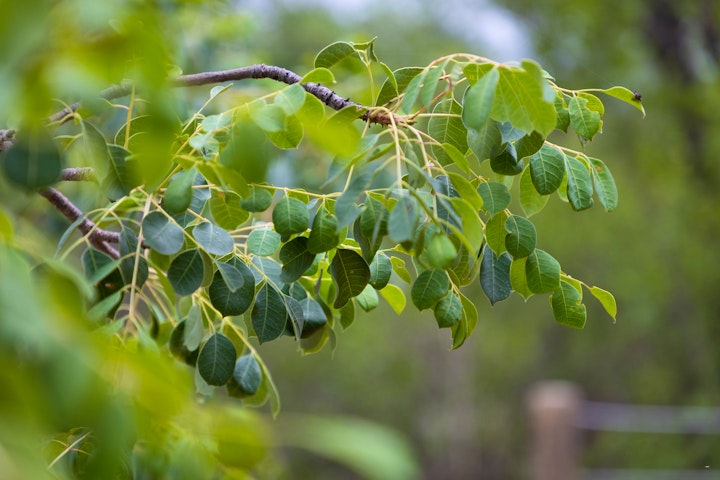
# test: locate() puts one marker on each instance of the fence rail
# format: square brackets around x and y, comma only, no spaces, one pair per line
[558,414]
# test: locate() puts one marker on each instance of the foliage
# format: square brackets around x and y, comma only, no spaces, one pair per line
[199,255]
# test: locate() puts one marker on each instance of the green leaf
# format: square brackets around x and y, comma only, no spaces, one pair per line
[120,178]
[178,194]
[447,128]
[345,208]
[263,241]
[547,169]
[567,306]
[495,275]
[226,211]
[530,200]
[215,240]
[233,277]
[334,53]
[216,361]
[584,121]
[228,301]
[270,118]
[604,184]
[427,91]
[318,75]
[395,297]
[290,216]
[626,96]
[373,219]
[258,200]
[520,99]
[193,334]
[521,237]
[350,273]
[448,311]
[472,227]
[465,190]
[429,287]
[186,272]
[162,234]
[563,119]
[412,92]
[464,328]
[290,135]
[246,377]
[177,346]
[403,219]
[440,251]
[291,98]
[313,315]
[133,266]
[33,161]
[269,314]
[485,141]
[400,269]
[495,196]
[529,144]
[606,299]
[368,298]
[495,232]
[579,184]
[506,162]
[323,235]
[391,89]
[478,100]
[542,272]
[518,277]
[296,259]
[380,271]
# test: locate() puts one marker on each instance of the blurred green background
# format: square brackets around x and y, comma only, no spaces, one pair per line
[463,411]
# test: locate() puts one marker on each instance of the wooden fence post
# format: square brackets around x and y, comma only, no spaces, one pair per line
[554,407]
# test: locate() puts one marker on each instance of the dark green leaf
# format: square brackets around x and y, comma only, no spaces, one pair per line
[464,328]
[563,116]
[604,184]
[429,287]
[227,301]
[542,271]
[373,219]
[290,216]
[269,268]
[269,314]
[351,273]
[216,361]
[296,259]
[233,277]
[495,196]
[178,348]
[314,316]
[178,194]
[162,234]
[121,177]
[495,232]
[246,378]
[380,271]
[258,200]
[391,90]
[579,184]
[521,237]
[506,162]
[495,275]
[186,272]
[567,306]
[323,235]
[263,241]
[529,144]
[448,311]
[33,161]
[296,316]
[547,168]
[486,141]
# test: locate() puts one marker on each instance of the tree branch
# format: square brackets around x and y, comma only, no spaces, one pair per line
[98,237]
[84,174]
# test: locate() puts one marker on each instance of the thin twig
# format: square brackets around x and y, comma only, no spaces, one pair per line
[98,237]
[82,174]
